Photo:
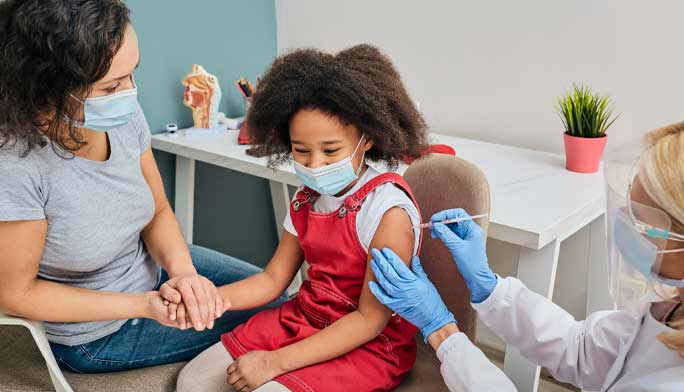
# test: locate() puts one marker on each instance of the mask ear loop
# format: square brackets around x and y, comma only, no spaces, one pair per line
[76,99]
[74,123]
[363,156]
[644,228]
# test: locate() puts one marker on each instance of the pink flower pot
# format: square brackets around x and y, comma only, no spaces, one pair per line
[583,155]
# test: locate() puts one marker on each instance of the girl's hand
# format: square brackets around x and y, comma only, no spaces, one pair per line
[156,309]
[203,302]
[253,370]
[179,313]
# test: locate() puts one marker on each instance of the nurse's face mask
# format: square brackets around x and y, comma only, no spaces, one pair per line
[330,179]
[639,237]
[108,112]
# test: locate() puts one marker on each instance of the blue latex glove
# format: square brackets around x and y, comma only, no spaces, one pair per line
[465,240]
[409,293]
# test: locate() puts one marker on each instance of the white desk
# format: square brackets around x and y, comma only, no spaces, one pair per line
[536,204]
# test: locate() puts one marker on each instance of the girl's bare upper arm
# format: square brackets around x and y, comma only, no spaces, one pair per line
[21,248]
[394,232]
[286,261]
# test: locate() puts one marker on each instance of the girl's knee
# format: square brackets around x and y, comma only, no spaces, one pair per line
[207,372]
[187,380]
[182,381]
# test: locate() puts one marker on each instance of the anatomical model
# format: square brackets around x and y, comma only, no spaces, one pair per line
[202,95]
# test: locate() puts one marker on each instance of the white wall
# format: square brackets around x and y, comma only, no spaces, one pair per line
[491,70]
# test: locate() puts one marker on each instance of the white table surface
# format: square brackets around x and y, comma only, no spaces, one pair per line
[534,199]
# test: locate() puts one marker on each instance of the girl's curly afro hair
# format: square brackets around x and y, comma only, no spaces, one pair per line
[359,86]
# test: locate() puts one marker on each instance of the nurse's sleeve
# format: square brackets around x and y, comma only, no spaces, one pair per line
[576,352]
[465,367]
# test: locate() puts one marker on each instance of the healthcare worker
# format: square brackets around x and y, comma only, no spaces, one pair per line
[635,348]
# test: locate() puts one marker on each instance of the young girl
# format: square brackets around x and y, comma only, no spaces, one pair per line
[329,113]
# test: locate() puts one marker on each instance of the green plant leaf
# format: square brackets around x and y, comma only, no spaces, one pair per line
[584,113]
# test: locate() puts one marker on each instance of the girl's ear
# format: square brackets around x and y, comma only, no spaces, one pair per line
[368,145]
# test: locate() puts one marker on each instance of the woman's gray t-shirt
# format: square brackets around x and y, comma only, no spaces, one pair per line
[95,212]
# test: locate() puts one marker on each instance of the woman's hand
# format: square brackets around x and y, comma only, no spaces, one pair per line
[200,298]
[253,370]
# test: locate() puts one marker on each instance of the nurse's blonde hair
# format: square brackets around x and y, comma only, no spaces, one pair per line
[662,176]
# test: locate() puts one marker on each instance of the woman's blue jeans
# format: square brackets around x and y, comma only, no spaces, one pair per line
[144,342]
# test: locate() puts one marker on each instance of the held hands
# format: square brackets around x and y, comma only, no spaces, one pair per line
[156,308]
[409,293]
[253,370]
[193,301]
[466,243]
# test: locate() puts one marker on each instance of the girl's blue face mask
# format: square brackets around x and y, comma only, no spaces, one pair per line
[330,179]
[108,112]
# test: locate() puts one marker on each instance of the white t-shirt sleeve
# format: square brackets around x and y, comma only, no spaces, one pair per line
[287,223]
[384,198]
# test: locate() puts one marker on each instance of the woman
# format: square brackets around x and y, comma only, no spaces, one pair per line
[638,347]
[86,232]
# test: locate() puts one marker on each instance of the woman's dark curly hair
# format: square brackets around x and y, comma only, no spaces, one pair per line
[49,48]
[359,86]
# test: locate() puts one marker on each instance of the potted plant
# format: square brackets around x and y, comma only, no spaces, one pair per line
[586,117]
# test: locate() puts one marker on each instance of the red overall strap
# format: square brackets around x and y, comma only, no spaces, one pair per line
[305,196]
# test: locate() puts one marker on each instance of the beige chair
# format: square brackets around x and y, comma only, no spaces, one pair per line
[442,182]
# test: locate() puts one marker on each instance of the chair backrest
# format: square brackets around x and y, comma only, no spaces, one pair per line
[441,182]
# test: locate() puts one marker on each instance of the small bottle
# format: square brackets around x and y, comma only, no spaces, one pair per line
[171,129]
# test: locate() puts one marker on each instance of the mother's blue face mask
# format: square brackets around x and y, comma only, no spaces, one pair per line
[108,112]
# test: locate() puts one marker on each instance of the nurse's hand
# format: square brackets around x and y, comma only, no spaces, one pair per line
[409,293]
[200,298]
[466,242]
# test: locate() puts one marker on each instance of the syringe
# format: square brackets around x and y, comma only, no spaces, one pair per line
[448,221]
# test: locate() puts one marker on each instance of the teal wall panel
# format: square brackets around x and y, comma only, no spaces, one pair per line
[233,212]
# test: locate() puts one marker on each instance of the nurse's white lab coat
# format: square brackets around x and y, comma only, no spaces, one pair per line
[609,351]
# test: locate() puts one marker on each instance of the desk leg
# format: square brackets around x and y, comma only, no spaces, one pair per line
[598,295]
[185,195]
[537,269]
[280,197]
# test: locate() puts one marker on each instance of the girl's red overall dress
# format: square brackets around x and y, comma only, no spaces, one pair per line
[338,266]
